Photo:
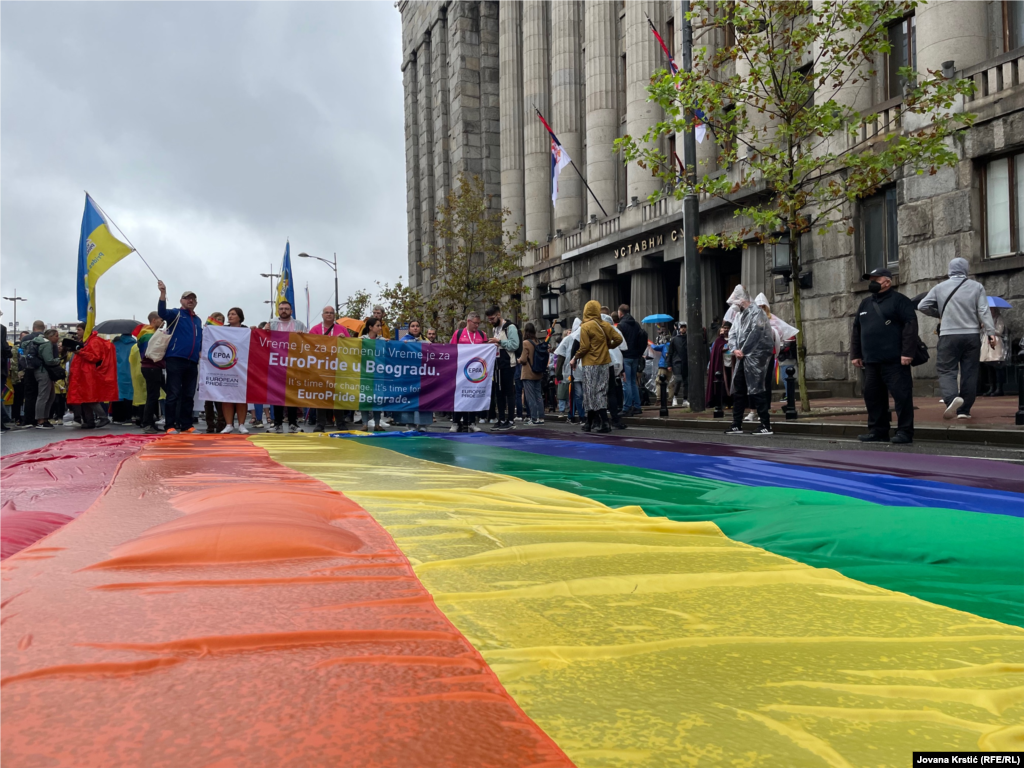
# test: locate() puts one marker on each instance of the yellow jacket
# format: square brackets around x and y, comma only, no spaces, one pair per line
[596,337]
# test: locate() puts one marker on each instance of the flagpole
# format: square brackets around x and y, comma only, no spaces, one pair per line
[573,164]
[122,233]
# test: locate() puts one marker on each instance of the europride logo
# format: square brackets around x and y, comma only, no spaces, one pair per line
[476,370]
[223,355]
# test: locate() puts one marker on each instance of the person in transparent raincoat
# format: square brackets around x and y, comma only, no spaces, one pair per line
[753,348]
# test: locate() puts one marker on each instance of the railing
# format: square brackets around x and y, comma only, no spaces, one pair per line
[995,75]
[573,241]
[655,210]
[888,119]
[609,226]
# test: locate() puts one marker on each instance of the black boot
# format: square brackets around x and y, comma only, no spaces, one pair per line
[590,422]
[606,426]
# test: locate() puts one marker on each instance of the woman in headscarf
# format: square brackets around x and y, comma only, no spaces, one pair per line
[752,342]
[591,363]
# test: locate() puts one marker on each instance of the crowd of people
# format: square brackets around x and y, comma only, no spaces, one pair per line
[603,369]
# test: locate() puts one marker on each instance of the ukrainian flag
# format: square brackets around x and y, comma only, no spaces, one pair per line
[286,285]
[98,251]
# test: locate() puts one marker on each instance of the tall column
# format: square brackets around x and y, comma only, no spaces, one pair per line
[464,88]
[425,98]
[439,77]
[412,169]
[951,31]
[602,109]
[536,142]
[565,108]
[510,65]
[605,293]
[646,296]
[490,98]
[643,57]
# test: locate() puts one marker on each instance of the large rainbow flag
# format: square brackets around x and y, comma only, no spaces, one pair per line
[508,600]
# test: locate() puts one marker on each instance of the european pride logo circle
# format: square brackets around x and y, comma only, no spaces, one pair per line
[476,370]
[223,355]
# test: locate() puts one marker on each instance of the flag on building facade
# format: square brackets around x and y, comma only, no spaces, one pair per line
[98,251]
[559,158]
[699,128]
[285,285]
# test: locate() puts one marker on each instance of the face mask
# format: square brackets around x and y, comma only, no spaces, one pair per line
[874,287]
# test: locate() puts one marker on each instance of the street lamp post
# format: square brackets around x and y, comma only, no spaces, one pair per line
[334,266]
[271,274]
[697,363]
[14,300]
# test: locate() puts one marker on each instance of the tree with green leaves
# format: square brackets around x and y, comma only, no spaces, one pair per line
[777,103]
[401,304]
[357,306]
[474,262]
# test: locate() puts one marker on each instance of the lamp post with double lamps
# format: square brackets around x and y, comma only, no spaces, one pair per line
[333,266]
[14,300]
[271,274]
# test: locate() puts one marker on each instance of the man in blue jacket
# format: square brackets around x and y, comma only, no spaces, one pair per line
[182,359]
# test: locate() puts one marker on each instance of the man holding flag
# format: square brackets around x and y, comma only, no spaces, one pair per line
[182,359]
[285,286]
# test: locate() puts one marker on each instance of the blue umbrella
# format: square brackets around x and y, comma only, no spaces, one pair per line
[995,301]
[657,319]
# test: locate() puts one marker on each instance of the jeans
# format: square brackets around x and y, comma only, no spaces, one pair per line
[182,376]
[958,351]
[154,383]
[740,400]
[534,401]
[519,391]
[894,377]
[375,415]
[504,383]
[44,394]
[630,390]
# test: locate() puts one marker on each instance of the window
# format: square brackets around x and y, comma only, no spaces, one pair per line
[1013,24]
[780,253]
[881,234]
[903,53]
[807,75]
[1004,205]
[670,36]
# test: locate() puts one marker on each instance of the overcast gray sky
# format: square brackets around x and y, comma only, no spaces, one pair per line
[210,132]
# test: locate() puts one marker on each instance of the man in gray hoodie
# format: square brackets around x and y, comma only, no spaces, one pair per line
[961,305]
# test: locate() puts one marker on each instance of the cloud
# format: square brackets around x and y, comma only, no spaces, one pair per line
[209,132]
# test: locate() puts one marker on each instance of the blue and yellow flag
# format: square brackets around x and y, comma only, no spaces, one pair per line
[98,251]
[285,286]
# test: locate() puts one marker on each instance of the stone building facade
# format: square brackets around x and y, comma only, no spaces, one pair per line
[475,71]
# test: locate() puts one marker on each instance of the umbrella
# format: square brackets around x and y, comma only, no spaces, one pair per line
[116,326]
[658,319]
[356,326]
[995,301]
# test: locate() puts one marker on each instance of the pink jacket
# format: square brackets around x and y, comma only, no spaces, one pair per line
[337,330]
[465,337]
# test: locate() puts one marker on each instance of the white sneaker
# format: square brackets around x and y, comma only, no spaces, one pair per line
[228,429]
[749,416]
[675,403]
[292,429]
[686,403]
[275,429]
[455,428]
[358,418]
[951,408]
[384,421]
[242,429]
[370,425]
[963,416]
[474,428]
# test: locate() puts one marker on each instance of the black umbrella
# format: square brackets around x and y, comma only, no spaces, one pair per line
[116,326]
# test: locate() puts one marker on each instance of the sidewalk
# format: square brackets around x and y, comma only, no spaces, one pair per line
[992,420]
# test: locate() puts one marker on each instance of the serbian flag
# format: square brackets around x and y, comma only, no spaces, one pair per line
[700,130]
[559,158]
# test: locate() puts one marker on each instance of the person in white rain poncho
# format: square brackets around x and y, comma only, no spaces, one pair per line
[783,333]
[564,352]
[752,342]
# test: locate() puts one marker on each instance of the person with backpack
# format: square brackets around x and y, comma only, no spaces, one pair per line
[961,305]
[883,343]
[29,365]
[534,361]
[43,350]
[510,348]
[636,346]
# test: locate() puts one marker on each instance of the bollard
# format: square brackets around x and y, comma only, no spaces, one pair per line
[790,407]
[1019,418]
[663,413]
[719,413]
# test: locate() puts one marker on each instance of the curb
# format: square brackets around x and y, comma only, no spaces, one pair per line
[1008,437]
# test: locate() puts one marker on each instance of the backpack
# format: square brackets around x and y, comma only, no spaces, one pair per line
[33,362]
[539,363]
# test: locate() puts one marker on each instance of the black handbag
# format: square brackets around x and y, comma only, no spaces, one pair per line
[56,372]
